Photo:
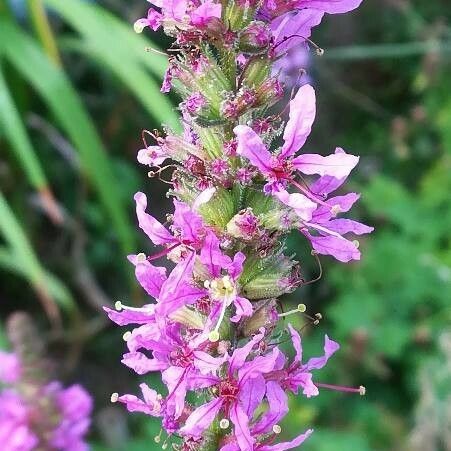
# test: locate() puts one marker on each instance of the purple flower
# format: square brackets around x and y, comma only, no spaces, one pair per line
[10,367]
[24,417]
[15,431]
[75,407]
[239,392]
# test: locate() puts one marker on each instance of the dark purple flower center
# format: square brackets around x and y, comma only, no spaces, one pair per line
[182,357]
[228,389]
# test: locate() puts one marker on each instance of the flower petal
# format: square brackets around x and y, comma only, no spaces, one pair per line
[252,147]
[201,418]
[338,247]
[241,422]
[299,126]
[151,227]
[330,348]
[337,165]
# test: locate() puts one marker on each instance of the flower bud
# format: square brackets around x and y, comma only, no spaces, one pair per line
[255,38]
[243,225]
[265,315]
[269,278]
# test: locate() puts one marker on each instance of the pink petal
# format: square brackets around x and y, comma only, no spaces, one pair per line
[141,364]
[252,147]
[337,165]
[206,363]
[343,226]
[241,422]
[340,248]
[179,289]
[150,277]
[330,348]
[211,255]
[201,418]
[297,343]
[331,6]
[203,14]
[243,308]
[176,380]
[151,227]
[151,156]
[189,222]
[278,408]
[299,126]
[145,315]
[299,25]
[251,394]
[10,367]
[301,204]
[288,445]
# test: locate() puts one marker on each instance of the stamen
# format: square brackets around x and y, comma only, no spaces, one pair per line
[276,429]
[301,308]
[360,390]
[224,423]
[157,438]
[120,307]
[163,252]
[114,397]
[127,335]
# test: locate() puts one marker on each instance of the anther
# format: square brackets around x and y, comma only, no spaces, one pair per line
[213,336]
[356,243]
[118,306]
[114,397]
[319,51]
[127,335]
[224,423]
[141,257]
[157,438]
[276,429]
[362,390]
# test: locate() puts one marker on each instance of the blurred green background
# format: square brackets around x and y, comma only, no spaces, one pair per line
[77,87]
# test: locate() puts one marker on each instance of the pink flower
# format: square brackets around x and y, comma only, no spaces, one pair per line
[238,394]
[10,368]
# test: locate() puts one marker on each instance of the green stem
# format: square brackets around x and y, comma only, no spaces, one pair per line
[44,31]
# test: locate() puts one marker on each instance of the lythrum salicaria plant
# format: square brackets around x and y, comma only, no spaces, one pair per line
[241,181]
[36,412]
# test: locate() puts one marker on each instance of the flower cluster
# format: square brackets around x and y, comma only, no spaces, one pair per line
[34,413]
[241,181]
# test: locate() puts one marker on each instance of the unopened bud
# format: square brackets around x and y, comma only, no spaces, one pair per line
[255,38]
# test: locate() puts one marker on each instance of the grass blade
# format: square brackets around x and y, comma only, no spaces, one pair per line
[53,85]
[23,259]
[117,46]
[16,134]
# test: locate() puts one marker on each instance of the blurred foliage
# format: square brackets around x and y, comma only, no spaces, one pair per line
[76,89]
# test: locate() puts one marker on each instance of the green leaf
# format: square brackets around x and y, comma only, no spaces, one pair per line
[21,258]
[112,44]
[53,85]
[15,132]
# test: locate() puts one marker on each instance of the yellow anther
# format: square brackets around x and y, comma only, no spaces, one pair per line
[141,258]
[213,336]
[138,27]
